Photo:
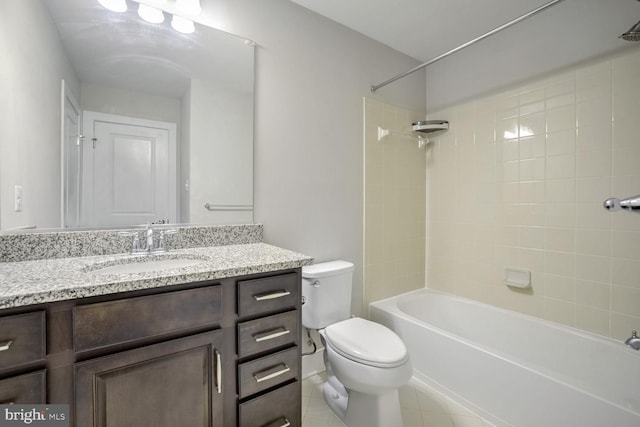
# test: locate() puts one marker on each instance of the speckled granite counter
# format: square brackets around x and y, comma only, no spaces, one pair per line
[34,282]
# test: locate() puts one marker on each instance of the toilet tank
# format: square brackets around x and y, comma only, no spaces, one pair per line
[326,290]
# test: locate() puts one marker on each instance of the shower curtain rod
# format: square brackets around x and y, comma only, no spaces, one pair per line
[469,43]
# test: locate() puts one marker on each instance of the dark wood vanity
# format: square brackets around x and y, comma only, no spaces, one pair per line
[214,353]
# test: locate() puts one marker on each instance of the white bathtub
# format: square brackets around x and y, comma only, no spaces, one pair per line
[513,369]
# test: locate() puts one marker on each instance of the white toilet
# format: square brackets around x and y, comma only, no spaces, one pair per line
[366,362]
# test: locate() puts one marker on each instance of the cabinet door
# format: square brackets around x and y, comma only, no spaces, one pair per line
[174,383]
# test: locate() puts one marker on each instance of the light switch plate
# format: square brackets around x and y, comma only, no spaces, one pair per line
[17,205]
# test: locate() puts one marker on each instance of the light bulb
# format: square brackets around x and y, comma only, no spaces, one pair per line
[114,5]
[182,25]
[150,14]
[188,7]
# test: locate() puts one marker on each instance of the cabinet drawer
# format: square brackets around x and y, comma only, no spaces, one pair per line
[23,389]
[22,339]
[274,409]
[268,371]
[267,333]
[268,294]
[114,322]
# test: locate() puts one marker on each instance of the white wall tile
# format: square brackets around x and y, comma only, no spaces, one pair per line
[593,294]
[562,166]
[560,239]
[536,201]
[625,300]
[562,118]
[593,242]
[560,263]
[560,287]
[395,203]
[562,142]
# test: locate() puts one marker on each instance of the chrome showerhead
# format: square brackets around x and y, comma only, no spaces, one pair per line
[633,35]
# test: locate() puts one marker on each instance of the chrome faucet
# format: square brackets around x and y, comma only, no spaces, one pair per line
[148,231]
[633,341]
[148,245]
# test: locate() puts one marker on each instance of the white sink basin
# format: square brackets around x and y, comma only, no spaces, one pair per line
[142,265]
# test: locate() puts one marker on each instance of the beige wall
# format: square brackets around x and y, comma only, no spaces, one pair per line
[394,242]
[311,76]
[519,180]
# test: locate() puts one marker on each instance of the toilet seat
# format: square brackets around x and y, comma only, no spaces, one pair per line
[366,342]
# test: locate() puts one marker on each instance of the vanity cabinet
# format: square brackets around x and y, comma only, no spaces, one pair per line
[169,383]
[213,354]
[22,358]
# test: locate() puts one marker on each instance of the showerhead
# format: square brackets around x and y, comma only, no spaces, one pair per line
[633,35]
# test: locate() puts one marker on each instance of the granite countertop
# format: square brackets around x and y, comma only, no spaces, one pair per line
[48,280]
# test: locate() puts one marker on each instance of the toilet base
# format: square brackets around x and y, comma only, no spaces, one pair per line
[335,400]
[366,410]
[357,409]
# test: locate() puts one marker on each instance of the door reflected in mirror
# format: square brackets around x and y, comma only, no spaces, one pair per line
[114,121]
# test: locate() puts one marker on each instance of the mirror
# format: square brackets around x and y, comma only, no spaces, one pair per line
[113,121]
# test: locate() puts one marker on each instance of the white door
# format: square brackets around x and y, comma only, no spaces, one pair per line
[71,158]
[130,170]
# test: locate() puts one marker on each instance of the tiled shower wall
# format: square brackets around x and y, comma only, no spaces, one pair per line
[394,203]
[519,180]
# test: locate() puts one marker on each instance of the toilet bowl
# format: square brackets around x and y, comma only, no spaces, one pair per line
[365,362]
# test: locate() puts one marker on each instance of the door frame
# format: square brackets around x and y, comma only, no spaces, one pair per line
[67,95]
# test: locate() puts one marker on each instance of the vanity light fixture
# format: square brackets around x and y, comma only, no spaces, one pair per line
[150,14]
[188,7]
[114,5]
[155,15]
[182,25]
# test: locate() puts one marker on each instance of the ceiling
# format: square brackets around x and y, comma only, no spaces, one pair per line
[424,29]
[567,33]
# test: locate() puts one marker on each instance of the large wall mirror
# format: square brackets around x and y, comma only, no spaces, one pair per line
[112,121]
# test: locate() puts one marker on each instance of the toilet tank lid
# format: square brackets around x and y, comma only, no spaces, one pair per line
[324,269]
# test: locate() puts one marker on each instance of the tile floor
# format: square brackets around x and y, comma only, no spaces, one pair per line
[421,407]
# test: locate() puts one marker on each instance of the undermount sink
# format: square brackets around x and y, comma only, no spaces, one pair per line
[143,264]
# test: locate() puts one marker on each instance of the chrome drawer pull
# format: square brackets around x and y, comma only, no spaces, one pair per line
[4,346]
[271,295]
[218,372]
[270,373]
[280,422]
[271,334]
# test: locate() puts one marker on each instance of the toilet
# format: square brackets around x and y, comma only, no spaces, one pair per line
[365,362]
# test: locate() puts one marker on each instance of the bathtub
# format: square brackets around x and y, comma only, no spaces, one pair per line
[513,369]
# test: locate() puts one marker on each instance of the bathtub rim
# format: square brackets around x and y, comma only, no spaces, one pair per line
[555,325]
[391,305]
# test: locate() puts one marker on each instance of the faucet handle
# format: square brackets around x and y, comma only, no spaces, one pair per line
[162,245]
[135,245]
